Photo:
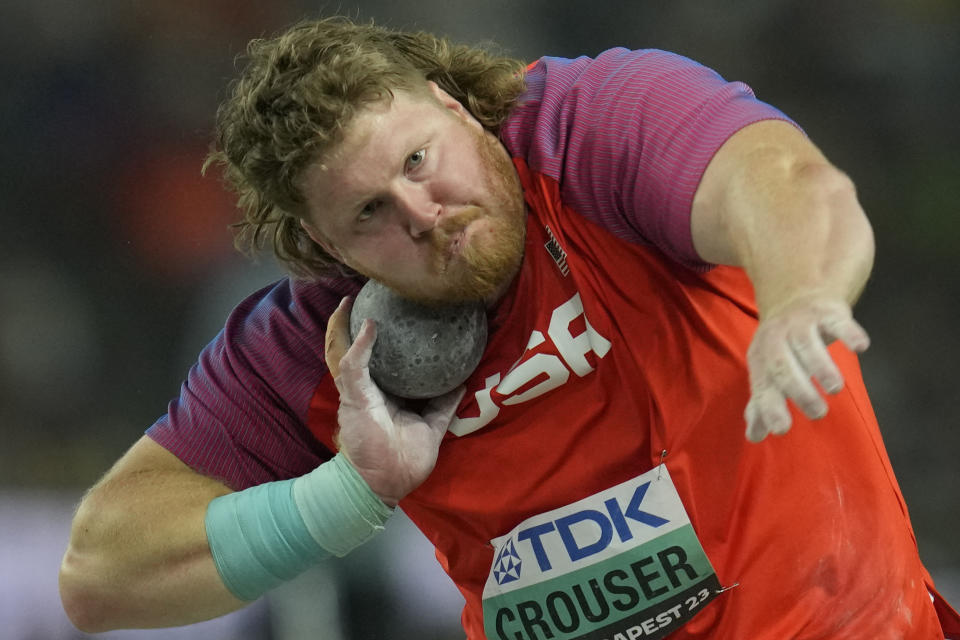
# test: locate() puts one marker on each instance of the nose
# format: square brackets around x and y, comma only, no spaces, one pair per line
[421,213]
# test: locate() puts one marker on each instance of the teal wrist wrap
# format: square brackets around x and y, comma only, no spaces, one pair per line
[258,539]
[339,508]
[268,534]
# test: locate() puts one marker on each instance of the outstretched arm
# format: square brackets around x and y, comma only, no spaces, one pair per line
[771,203]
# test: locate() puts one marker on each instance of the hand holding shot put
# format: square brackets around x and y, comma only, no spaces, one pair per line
[393,448]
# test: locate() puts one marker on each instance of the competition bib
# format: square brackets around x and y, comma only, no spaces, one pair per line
[622,564]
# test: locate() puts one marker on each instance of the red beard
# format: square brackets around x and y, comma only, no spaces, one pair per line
[481,265]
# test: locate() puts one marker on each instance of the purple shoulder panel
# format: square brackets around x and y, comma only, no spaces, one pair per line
[628,135]
[241,413]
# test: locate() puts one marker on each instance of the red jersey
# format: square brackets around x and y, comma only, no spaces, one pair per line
[607,358]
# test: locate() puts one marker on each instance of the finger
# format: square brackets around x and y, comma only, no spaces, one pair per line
[337,339]
[815,360]
[787,375]
[770,413]
[358,355]
[848,331]
[354,381]
[756,431]
[757,428]
[440,410]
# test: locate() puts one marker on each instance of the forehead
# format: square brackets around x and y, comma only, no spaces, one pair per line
[376,138]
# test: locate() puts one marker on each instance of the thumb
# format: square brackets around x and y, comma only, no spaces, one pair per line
[337,339]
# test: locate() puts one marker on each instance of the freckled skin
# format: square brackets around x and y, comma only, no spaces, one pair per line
[421,198]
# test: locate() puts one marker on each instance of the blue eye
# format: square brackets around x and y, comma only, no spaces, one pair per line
[416,158]
[369,209]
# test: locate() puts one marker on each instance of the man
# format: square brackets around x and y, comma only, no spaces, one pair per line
[661,256]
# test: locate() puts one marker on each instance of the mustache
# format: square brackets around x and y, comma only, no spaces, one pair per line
[451,225]
[456,223]
[443,237]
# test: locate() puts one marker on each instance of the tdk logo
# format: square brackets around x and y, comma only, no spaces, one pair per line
[506,567]
[584,533]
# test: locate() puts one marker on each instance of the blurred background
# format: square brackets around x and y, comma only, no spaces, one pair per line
[116,264]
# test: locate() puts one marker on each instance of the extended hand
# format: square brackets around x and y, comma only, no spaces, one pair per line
[788,350]
[393,448]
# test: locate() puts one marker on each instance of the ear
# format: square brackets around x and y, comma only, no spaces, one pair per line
[319,238]
[452,103]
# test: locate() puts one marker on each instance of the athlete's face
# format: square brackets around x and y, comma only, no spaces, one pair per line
[420,197]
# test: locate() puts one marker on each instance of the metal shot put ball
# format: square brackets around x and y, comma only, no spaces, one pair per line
[421,351]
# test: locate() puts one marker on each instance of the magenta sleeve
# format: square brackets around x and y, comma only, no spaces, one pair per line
[242,411]
[628,136]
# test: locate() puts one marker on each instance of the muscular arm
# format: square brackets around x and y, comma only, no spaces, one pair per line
[140,545]
[771,203]
[138,553]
